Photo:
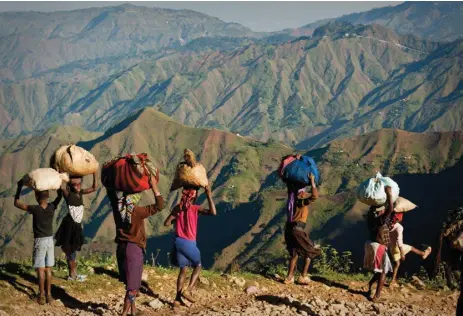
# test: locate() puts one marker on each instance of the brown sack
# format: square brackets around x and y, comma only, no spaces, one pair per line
[189,173]
[403,205]
[75,160]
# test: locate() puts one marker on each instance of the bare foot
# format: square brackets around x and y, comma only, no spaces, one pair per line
[187,294]
[427,252]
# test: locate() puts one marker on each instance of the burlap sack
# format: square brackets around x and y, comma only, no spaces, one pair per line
[45,179]
[189,173]
[403,205]
[74,160]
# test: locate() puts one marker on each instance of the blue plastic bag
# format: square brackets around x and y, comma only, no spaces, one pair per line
[297,172]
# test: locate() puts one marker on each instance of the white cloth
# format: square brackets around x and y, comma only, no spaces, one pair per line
[77,213]
[397,235]
[372,263]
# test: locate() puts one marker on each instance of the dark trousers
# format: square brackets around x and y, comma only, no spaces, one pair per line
[120,256]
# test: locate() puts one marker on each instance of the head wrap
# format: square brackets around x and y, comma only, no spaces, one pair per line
[188,195]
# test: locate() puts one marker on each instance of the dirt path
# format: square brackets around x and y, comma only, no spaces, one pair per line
[217,295]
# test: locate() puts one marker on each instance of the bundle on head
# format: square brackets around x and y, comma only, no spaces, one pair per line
[129,174]
[189,157]
[44,179]
[189,173]
[372,191]
[74,160]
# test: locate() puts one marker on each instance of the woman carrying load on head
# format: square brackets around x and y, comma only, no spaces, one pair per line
[376,258]
[297,240]
[70,236]
[131,238]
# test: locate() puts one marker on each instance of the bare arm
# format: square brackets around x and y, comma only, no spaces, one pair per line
[93,188]
[58,198]
[17,202]
[157,194]
[169,219]
[64,190]
[155,208]
[314,187]
[389,203]
[172,216]
[212,210]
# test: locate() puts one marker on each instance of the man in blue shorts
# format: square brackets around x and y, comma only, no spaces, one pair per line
[187,253]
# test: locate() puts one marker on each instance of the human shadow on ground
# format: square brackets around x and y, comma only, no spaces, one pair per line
[277,300]
[145,287]
[13,272]
[338,285]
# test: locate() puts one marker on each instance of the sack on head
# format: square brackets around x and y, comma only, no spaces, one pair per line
[372,191]
[129,174]
[189,173]
[296,171]
[43,179]
[74,160]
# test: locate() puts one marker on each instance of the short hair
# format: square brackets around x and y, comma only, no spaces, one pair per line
[42,195]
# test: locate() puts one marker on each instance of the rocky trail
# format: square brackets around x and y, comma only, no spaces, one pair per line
[240,294]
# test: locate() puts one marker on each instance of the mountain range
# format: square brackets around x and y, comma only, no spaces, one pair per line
[434,20]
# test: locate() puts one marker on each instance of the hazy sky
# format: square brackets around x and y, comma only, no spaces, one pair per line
[259,16]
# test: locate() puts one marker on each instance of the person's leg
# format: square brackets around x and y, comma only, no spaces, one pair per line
[394,274]
[134,270]
[194,256]
[371,282]
[129,302]
[416,251]
[38,256]
[120,256]
[49,263]
[72,265]
[304,279]
[180,282]
[49,277]
[379,288]
[194,277]
[292,268]
[41,283]
[306,267]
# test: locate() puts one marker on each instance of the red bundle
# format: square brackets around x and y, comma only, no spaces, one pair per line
[129,174]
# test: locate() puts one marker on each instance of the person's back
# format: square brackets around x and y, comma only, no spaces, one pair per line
[42,224]
[131,238]
[42,219]
[132,228]
[186,252]
[186,225]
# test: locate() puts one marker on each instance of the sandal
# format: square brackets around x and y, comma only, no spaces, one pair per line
[188,296]
[50,299]
[288,281]
[41,300]
[427,252]
[304,280]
